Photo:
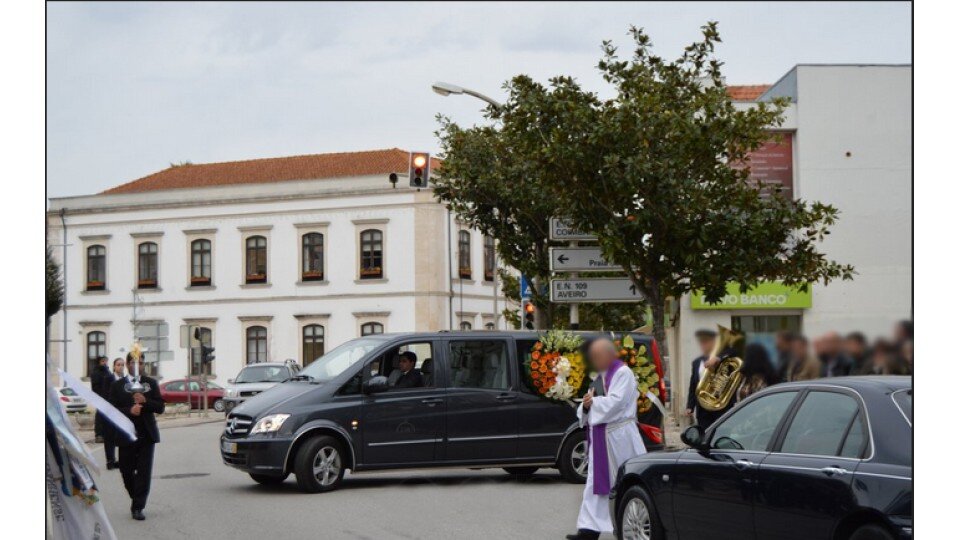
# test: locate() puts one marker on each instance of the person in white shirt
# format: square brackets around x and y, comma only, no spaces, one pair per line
[610,421]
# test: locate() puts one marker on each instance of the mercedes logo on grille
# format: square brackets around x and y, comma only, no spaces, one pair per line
[231,425]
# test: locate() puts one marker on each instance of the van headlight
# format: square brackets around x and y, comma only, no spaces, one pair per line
[269,424]
[231,392]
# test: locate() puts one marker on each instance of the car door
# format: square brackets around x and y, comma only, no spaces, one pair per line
[714,489]
[481,401]
[174,392]
[402,426]
[804,486]
[542,423]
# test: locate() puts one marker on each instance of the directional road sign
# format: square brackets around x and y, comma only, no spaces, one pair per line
[580,259]
[589,290]
[561,229]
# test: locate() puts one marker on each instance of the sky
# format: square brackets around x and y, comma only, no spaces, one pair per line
[134,87]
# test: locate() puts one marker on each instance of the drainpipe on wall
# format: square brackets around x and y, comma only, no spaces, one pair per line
[63,223]
[450,268]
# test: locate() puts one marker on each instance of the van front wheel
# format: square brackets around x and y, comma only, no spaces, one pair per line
[319,465]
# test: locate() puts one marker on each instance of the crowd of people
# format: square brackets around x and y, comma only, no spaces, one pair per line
[799,358]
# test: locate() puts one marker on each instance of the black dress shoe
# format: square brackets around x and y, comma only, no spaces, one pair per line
[584,534]
[112,465]
[137,515]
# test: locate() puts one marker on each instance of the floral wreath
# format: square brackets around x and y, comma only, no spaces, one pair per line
[556,369]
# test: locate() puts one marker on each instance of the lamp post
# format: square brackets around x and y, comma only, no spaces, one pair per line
[446,89]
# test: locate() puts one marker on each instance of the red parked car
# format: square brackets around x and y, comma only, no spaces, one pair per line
[184,390]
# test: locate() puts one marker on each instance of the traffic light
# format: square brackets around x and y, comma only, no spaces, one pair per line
[206,354]
[419,169]
[529,313]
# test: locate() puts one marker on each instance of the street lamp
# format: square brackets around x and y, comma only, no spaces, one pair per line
[445,89]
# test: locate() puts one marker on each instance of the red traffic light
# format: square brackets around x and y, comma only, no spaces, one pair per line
[529,308]
[419,169]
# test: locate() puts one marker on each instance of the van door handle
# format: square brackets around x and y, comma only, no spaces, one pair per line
[506,397]
[833,471]
[742,464]
[432,401]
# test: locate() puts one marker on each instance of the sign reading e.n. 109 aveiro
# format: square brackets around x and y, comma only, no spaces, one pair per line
[766,295]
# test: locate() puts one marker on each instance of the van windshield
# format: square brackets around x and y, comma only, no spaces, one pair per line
[336,361]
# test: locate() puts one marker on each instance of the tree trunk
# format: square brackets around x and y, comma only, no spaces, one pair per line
[659,330]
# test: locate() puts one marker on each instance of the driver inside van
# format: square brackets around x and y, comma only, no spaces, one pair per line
[407,375]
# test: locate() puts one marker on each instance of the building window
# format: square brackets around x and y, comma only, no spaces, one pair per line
[201,262]
[147,265]
[371,254]
[206,339]
[312,343]
[371,328]
[464,254]
[96,268]
[256,344]
[489,258]
[256,259]
[490,326]
[465,325]
[312,257]
[96,348]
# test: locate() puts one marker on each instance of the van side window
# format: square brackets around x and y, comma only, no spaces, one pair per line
[479,364]
[524,348]
[421,374]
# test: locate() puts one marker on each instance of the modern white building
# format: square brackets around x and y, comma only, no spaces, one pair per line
[273,259]
[846,142]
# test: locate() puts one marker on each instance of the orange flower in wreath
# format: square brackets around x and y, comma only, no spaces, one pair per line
[535,355]
[535,375]
[538,346]
[534,365]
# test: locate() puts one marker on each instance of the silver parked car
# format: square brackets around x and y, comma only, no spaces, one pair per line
[70,400]
[256,378]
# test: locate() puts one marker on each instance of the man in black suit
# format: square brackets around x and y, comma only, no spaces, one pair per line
[136,458]
[706,339]
[99,383]
[410,376]
[834,362]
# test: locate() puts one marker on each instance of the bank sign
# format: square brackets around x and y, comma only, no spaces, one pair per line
[768,295]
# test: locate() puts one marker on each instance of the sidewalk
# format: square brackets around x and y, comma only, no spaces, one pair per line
[163,421]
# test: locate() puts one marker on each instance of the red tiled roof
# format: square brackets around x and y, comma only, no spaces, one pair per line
[747,92]
[262,171]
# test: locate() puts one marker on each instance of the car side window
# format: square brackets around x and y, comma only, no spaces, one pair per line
[821,424]
[853,445]
[421,375]
[194,386]
[752,426]
[479,364]
[175,387]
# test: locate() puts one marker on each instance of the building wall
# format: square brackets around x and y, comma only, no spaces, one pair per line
[413,295]
[866,111]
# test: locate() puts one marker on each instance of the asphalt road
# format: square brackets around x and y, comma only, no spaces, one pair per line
[195,496]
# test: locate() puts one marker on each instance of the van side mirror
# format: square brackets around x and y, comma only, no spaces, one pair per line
[376,385]
[695,438]
[231,381]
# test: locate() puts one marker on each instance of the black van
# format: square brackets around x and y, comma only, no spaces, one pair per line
[474,409]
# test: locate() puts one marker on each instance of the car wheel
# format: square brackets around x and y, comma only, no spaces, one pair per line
[574,459]
[871,532]
[319,465]
[521,471]
[637,520]
[266,480]
[218,405]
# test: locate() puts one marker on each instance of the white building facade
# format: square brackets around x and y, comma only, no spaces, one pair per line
[847,143]
[269,269]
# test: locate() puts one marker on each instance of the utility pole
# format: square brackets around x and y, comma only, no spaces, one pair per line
[574,308]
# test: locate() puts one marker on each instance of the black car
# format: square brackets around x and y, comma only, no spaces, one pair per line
[471,407]
[826,459]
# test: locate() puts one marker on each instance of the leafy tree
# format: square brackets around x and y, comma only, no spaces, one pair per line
[657,172]
[494,190]
[54,286]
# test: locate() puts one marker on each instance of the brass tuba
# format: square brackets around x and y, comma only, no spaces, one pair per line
[720,383]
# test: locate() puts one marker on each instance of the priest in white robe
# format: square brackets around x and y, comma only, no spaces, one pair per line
[613,437]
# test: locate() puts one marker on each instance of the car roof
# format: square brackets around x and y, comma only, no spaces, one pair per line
[517,334]
[879,383]
[270,364]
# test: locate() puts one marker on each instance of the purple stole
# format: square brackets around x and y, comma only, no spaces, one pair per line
[597,437]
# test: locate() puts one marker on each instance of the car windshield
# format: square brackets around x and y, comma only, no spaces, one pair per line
[67,392]
[336,361]
[257,374]
[904,400]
